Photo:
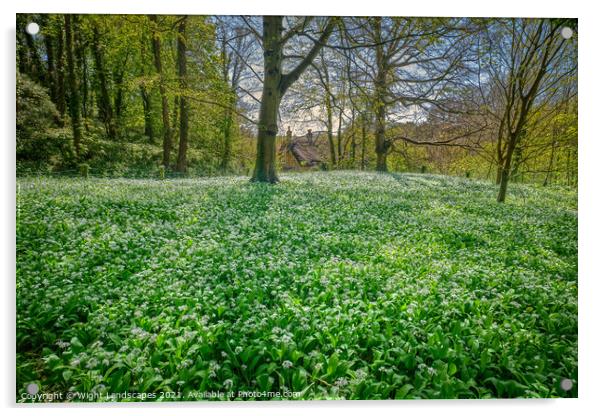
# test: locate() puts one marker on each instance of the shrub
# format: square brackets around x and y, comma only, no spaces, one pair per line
[40,137]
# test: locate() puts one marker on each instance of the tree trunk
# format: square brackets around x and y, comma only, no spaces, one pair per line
[85,90]
[275,85]
[22,57]
[50,61]
[156,45]
[329,127]
[515,174]
[265,163]
[381,144]
[498,175]
[105,108]
[568,166]
[517,159]
[233,80]
[36,69]
[227,154]
[341,150]
[81,68]
[175,119]
[547,179]
[118,100]
[60,72]
[504,178]
[363,161]
[74,97]
[148,118]
[380,110]
[183,145]
[146,97]
[325,79]
[353,143]
[505,171]
[381,160]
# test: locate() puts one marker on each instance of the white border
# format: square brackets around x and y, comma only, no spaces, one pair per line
[553,8]
[590,156]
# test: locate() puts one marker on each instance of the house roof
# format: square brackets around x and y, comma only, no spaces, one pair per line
[304,150]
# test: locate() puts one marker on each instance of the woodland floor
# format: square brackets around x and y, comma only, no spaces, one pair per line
[327,285]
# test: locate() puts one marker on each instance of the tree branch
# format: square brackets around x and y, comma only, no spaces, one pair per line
[288,79]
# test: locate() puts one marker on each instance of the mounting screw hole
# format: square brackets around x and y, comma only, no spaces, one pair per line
[33,388]
[32,28]
[566,384]
[566,32]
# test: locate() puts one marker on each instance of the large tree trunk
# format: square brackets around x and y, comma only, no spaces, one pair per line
[381,157]
[74,97]
[183,145]
[265,163]
[156,45]
[275,85]
[105,107]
